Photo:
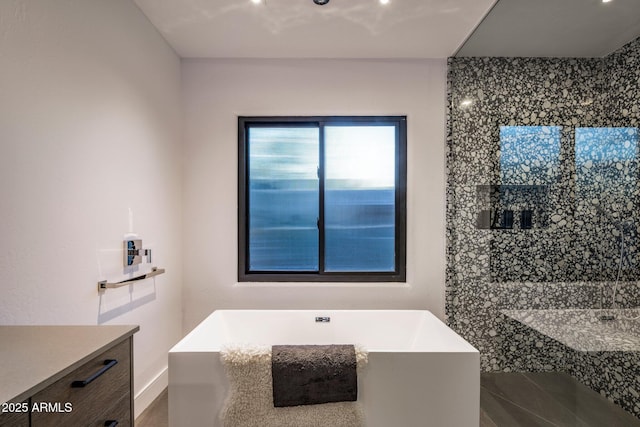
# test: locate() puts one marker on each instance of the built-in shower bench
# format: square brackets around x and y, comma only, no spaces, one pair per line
[600,348]
[583,330]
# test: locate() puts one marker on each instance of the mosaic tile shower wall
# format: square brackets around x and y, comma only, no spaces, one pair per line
[542,189]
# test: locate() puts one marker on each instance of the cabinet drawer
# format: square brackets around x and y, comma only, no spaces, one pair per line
[63,404]
[14,414]
[120,412]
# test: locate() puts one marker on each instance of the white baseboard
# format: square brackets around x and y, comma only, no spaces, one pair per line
[149,392]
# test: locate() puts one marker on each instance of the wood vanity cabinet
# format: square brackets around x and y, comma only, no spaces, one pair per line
[106,397]
[94,389]
[15,418]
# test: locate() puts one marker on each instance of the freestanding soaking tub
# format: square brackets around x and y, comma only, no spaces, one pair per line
[420,373]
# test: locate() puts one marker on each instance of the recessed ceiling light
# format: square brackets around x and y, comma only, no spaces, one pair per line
[606,1]
[256,1]
[385,1]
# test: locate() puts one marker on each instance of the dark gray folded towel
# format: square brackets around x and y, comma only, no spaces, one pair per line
[313,374]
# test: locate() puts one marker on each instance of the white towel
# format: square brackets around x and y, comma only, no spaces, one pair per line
[250,399]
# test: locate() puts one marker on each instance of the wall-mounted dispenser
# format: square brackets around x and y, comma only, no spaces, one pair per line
[133,255]
[133,252]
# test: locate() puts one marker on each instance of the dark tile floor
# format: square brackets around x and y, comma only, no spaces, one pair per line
[545,400]
[507,400]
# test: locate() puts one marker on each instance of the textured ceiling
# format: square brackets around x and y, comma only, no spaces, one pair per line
[301,29]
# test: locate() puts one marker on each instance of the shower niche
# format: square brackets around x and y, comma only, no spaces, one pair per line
[512,207]
[526,163]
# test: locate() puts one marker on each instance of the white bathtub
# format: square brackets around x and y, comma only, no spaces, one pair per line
[420,373]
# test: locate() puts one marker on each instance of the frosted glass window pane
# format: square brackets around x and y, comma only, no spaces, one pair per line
[283,199]
[359,212]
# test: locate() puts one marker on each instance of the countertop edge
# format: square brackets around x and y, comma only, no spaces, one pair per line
[60,374]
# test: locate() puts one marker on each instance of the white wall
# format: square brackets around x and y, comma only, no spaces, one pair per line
[215,92]
[90,126]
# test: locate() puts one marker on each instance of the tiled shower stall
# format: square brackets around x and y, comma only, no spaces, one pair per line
[542,191]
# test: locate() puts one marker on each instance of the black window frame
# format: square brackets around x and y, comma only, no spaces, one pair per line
[399,275]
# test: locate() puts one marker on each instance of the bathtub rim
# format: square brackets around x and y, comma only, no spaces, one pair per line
[190,343]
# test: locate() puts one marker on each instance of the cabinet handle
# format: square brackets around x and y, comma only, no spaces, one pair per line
[108,364]
[110,423]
